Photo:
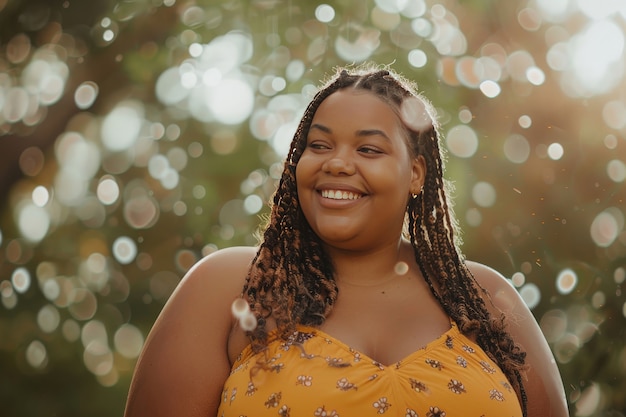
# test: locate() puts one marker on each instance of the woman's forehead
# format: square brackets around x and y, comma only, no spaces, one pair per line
[353,101]
[412,113]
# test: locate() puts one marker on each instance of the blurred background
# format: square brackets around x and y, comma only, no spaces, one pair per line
[137,136]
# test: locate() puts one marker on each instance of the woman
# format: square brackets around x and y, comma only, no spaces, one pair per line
[360,302]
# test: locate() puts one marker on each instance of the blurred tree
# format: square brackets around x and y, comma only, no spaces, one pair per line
[140,135]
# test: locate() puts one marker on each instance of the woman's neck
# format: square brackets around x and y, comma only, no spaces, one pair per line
[373,267]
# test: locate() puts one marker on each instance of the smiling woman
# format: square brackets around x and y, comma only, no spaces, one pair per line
[356,147]
[358,301]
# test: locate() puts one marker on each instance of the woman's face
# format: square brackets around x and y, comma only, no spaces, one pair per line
[356,174]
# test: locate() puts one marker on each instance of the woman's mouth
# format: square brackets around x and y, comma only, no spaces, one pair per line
[340,195]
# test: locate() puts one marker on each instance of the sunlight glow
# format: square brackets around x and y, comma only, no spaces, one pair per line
[231,101]
[161,140]
[592,60]
[596,51]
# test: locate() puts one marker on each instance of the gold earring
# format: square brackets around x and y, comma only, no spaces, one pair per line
[415,194]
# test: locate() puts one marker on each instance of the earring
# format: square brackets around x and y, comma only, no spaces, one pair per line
[415,195]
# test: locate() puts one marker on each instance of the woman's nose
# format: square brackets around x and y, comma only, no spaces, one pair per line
[339,166]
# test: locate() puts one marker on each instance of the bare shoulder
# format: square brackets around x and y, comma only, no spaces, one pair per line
[543,384]
[185,362]
[502,294]
[209,287]
[504,298]
[490,279]
[221,270]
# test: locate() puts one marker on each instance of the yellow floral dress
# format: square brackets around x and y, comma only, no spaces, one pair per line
[315,375]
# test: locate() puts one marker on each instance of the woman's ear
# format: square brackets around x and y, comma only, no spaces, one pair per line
[418,174]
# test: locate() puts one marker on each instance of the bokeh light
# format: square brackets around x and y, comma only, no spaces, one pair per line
[566,281]
[484,194]
[21,280]
[531,294]
[462,141]
[108,190]
[121,127]
[145,135]
[48,318]
[124,250]
[606,227]
[555,151]
[86,94]
[37,354]
[128,341]
[325,13]
[517,149]
[33,222]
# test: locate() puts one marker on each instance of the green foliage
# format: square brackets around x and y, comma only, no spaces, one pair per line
[189,179]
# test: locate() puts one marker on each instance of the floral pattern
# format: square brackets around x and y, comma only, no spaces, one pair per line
[382,405]
[323,377]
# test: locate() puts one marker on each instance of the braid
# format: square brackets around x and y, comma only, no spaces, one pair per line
[292,278]
[433,233]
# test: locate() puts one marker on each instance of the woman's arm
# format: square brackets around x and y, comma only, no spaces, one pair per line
[184,362]
[543,384]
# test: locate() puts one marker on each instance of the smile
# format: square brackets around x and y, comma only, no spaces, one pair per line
[340,195]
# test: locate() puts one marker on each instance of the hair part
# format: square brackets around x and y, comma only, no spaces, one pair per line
[291,277]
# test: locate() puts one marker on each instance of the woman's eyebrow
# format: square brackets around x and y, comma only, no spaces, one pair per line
[321,127]
[372,132]
[363,132]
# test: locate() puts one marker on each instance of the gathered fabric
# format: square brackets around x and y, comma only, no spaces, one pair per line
[314,374]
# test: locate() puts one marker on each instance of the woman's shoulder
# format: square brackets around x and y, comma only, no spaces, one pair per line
[186,350]
[227,258]
[486,276]
[226,265]
[221,273]
[544,388]
[499,288]
[501,296]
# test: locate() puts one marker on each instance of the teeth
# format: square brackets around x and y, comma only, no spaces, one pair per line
[340,195]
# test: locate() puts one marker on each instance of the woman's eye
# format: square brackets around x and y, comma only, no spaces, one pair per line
[369,150]
[317,145]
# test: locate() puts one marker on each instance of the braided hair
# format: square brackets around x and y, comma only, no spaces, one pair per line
[291,277]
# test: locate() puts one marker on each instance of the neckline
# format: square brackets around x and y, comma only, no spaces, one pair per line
[452,332]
